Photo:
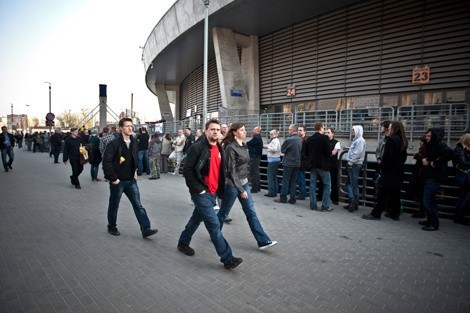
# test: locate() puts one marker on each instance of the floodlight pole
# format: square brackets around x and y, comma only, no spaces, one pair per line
[206,39]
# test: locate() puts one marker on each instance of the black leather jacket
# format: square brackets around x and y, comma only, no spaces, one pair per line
[196,167]
[237,161]
[112,155]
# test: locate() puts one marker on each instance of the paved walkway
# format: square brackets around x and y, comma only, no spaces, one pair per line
[56,255]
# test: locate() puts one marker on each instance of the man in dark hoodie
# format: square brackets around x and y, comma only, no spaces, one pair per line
[436,156]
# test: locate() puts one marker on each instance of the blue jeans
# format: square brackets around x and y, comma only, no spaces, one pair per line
[254,172]
[273,184]
[94,171]
[302,184]
[230,194]
[431,187]
[11,156]
[289,178]
[204,212]
[326,179]
[131,190]
[143,162]
[352,183]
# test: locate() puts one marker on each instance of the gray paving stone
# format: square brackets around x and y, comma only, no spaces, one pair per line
[56,255]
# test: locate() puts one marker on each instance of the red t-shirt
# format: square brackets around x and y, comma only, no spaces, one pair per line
[212,180]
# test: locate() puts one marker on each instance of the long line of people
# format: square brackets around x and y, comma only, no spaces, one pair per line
[317,153]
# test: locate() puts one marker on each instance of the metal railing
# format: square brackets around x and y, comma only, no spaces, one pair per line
[278,121]
[453,117]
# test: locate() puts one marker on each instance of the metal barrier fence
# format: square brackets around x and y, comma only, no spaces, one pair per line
[309,118]
[446,198]
[453,117]
[278,121]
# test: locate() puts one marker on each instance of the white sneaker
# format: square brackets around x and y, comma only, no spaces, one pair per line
[216,208]
[173,173]
[272,243]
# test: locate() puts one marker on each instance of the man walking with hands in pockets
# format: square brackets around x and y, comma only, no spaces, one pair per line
[120,168]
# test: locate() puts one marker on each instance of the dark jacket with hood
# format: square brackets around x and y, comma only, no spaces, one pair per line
[437,152]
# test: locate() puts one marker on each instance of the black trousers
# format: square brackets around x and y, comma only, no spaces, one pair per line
[77,169]
[388,199]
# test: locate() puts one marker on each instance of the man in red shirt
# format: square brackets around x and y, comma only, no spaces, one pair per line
[204,175]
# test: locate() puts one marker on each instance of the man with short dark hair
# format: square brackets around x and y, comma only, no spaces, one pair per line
[291,148]
[204,175]
[318,151]
[7,142]
[120,168]
[143,163]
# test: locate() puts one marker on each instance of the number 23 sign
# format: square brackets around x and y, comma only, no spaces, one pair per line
[421,75]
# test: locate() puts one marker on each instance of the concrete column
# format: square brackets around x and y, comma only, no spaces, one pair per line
[164,103]
[238,78]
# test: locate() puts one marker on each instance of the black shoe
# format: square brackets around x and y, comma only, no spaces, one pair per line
[78,187]
[335,202]
[254,191]
[185,248]
[149,232]
[270,196]
[418,215]
[228,220]
[10,167]
[430,228]
[280,201]
[424,223]
[370,217]
[392,217]
[232,263]
[114,231]
[151,178]
[6,170]
[292,201]
[346,207]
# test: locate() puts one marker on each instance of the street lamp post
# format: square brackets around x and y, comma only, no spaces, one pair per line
[11,117]
[50,127]
[206,39]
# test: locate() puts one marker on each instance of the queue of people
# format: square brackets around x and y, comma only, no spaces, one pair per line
[218,163]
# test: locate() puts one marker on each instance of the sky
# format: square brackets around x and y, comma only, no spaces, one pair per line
[76,45]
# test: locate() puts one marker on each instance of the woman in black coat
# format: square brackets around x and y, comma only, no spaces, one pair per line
[392,168]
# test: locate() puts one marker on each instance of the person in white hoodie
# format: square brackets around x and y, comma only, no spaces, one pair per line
[355,158]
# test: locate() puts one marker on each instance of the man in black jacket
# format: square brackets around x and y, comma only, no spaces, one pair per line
[120,168]
[143,139]
[204,175]
[255,149]
[318,151]
[56,144]
[72,153]
[7,142]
